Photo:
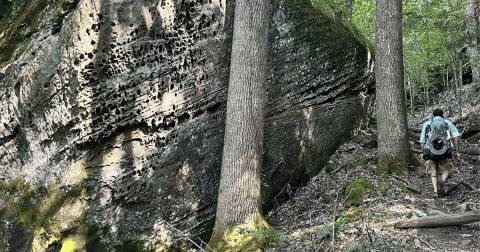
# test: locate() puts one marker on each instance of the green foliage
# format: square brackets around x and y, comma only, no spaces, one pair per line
[331,164]
[19,20]
[354,192]
[325,232]
[403,187]
[357,138]
[383,187]
[351,216]
[434,34]
[381,216]
[324,197]
[363,17]
[383,246]
[360,161]
[270,237]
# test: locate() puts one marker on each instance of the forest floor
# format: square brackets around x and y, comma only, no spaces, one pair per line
[305,220]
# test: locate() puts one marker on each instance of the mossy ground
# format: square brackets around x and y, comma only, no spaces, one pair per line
[387,164]
[252,236]
[383,187]
[354,192]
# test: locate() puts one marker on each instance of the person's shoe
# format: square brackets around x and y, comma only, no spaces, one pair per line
[435,195]
[441,188]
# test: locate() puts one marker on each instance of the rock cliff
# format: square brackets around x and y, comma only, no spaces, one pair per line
[112,114]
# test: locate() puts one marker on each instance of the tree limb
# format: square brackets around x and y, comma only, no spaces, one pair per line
[442,220]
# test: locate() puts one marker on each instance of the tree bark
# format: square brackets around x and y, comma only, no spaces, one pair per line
[239,197]
[391,107]
[440,220]
[472,23]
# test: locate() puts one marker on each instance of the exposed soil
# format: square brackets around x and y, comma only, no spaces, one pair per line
[303,218]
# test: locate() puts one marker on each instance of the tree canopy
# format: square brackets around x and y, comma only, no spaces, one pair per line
[435,44]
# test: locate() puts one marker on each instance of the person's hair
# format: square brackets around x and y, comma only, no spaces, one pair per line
[438,112]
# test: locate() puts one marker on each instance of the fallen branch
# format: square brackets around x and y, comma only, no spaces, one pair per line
[338,169]
[416,237]
[440,220]
[186,237]
[416,130]
[469,186]
[401,179]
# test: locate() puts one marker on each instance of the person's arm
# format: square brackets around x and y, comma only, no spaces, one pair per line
[456,155]
[422,140]
[455,135]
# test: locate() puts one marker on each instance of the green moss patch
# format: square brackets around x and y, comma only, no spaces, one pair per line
[54,213]
[383,187]
[357,138]
[403,187]
[387,164]
[20,19]
[324,197]
[354,192]
[331,164]
[247,237]
[352,215]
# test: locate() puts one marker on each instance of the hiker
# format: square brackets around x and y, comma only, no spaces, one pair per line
[437,149]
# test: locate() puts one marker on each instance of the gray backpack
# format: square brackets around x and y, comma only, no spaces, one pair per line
[438,144]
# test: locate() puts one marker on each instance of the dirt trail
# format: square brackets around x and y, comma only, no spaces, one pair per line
[306,219]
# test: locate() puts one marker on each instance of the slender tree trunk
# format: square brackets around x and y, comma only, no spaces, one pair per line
[460,90]
[239,196]
[393,144]
[472,23]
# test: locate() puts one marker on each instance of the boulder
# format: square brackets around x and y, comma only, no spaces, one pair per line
[112,113]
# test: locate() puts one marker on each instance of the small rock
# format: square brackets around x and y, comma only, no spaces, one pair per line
[476,234]
[421,204]
[466,242]
[414,232]
[466,235]
[414,189]
[435,212]
[417,243]
[464,208]
[350,147]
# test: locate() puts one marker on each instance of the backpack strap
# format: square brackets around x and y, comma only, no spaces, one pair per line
[428,129]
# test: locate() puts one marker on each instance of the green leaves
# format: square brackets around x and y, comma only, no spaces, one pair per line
[434,34]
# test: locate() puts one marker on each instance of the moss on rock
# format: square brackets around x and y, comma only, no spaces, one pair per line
[354,192]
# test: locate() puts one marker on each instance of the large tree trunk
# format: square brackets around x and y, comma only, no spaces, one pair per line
[393,146]
[239,196]
[472,22]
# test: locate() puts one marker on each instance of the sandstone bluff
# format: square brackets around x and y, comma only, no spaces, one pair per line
[112,114]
